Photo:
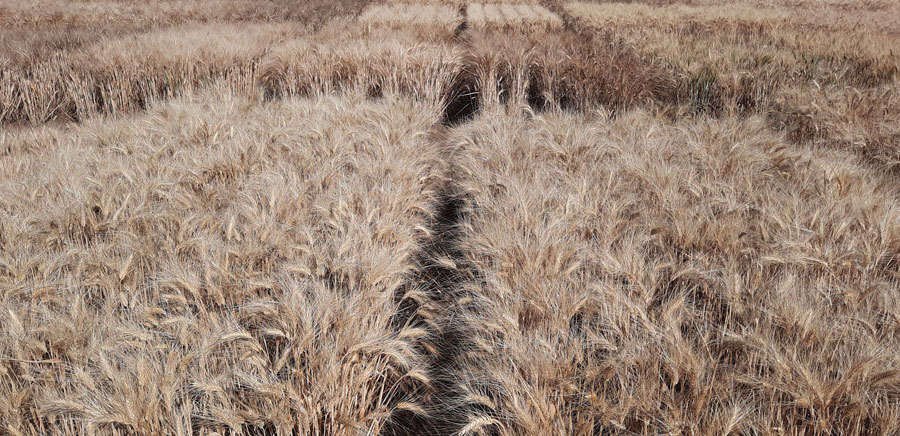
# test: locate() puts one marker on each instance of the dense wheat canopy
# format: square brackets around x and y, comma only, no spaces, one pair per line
[217,261]
[661,278]
[511,15]
[825,72]
[449,218]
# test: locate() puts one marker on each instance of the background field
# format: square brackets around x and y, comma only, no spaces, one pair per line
[449,218]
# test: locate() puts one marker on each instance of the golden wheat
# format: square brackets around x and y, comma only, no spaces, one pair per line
[216,265]
[33,30]
[443,18]
[473,218]
[656,278]
[513,15]
[132,71]
[377,61]
[561,69]
[776,59]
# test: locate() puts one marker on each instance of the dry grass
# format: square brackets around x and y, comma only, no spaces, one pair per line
[215,265]
[701,277]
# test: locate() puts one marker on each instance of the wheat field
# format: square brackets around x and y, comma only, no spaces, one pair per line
[421,217]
